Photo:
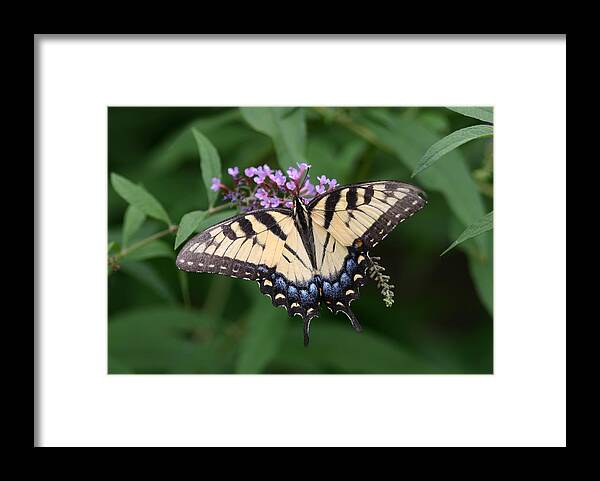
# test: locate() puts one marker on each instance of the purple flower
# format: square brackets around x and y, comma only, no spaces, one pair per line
[216,184]
[261,194]
[323,181]
[263,187]
[262,173]
[278,178]
[308,190]
[265,170]
[293,173]
[270,202]
[232,196]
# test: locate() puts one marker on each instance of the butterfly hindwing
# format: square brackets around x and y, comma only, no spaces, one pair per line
[342,272]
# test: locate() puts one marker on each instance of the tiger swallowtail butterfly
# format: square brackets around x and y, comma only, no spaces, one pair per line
[310,254]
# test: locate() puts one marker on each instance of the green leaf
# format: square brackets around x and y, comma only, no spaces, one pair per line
[287,128]
[484,224]
[336,346]
[266,331]
[197,221]
[181,146]
[481,267]
[210,163]
[113,247]
[148,276]
[407,139]
[157,248]
[139,197]
[133,220]
[188,224]
[161,339]
[215,219]
[482,272]
[480,113]
[451,142]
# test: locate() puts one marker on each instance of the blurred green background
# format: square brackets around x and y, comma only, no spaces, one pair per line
[165,321]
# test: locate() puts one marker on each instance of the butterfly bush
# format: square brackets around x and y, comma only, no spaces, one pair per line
[264,187]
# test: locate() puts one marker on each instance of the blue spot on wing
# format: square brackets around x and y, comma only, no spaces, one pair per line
[292,293]
[280,284]
[337,290]
[345,280]
[351,266]
[304,295]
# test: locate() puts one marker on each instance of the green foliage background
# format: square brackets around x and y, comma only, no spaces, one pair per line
[164,321]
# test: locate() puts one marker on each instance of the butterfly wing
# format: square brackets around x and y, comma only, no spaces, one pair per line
[366,213]
[236,246]
[349,221]
[342,272]
[264,246]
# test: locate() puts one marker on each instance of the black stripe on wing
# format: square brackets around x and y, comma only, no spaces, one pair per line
[249,226]
[383,204]
[299,299]
[339,291]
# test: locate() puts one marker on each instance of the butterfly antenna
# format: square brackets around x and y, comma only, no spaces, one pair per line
[304,178]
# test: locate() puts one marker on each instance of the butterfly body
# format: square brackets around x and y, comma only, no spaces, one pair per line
[311,254]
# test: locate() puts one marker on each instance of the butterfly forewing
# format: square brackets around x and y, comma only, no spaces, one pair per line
[265,246]
[236,246]
[366,212]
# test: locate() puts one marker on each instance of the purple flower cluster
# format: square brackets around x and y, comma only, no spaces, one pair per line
[264,187]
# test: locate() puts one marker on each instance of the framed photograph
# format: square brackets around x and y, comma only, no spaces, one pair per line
[297,200]
[311,241]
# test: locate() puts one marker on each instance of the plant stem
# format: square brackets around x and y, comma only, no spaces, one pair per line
[147,240]
[171,230]
[214,210]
